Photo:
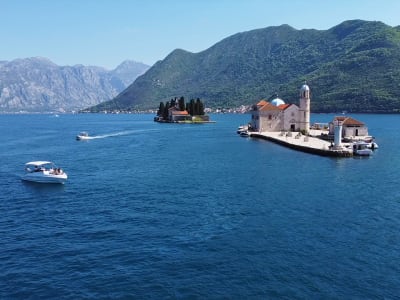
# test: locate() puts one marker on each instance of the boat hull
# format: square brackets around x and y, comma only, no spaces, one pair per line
[45,178]
[365,152]
[361,149]
[82,138]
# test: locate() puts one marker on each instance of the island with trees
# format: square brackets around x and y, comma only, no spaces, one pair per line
[177,111]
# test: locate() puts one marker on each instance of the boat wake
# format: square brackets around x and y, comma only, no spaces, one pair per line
[119,133]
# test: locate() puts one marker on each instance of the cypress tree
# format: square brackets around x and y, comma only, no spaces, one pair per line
[181,103]
[191,107]
[201,108]
[197,107]
[161,109]
[165,115]
[173,101]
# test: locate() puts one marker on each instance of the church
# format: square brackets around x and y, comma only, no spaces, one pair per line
[279,116]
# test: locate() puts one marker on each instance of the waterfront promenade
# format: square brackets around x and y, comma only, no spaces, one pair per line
[309,144]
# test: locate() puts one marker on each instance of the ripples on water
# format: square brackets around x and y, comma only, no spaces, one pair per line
[194,211]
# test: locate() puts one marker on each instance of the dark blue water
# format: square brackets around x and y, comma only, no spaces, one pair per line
[165,211]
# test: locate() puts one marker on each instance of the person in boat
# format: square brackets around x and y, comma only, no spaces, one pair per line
[57,171]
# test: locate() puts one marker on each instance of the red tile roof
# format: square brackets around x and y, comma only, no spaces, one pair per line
[179,112]
[284,106]
[348,120]
[269,107]
[262,103]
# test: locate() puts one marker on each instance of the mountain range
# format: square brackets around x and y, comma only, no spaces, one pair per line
[38,85]
[354,66]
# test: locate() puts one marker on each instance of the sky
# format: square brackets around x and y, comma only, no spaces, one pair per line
[107,32]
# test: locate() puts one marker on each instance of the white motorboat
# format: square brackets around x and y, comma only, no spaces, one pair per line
[44,172]
[245,134]
[242,128]
[83,136]
[372,145]
[361,148]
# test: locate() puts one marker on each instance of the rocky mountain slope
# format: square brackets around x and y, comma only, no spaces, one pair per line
[38,85]
[354,66]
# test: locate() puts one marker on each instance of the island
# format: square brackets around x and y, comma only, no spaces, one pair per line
[177,111]
[289,125]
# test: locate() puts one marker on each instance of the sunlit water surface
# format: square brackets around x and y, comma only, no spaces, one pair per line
[158,211]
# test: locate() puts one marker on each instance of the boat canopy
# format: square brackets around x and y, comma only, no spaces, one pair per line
[38,163]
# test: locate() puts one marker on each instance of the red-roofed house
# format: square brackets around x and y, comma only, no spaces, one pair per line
[176,115]
[351,128]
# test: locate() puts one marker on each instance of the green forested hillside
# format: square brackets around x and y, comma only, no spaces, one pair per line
[354,66]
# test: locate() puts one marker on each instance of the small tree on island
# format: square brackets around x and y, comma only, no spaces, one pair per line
[181,104]
[195,108]
[161,109]
[165,112]
[199,107]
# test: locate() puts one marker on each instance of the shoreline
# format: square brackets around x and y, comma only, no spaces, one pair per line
[186,122]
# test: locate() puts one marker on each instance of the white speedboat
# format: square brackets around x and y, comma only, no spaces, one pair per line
[242,128]
[372,145]
[361,148]
[83,136]
[245,134]
[44,172]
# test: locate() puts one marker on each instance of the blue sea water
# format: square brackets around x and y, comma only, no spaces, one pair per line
[167,211]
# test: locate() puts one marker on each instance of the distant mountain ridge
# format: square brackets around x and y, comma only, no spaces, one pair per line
[37,84]
[354,66]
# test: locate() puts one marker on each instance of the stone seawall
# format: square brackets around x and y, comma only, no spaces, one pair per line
[311,145]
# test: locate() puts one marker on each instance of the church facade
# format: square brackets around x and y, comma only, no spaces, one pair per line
[279,116]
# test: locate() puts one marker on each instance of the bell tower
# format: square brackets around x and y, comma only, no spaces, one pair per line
[304,109]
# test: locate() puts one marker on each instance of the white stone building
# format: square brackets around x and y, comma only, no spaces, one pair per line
[352,129]
[278,116]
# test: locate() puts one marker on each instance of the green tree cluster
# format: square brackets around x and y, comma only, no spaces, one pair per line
[193,107]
